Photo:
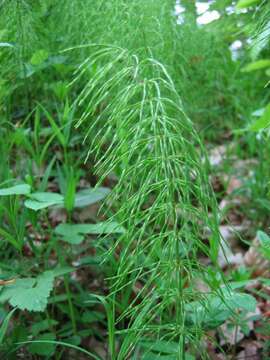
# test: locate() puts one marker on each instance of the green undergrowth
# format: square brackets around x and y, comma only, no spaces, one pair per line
[110,239]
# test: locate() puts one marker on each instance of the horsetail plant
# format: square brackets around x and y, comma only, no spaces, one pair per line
[139,131]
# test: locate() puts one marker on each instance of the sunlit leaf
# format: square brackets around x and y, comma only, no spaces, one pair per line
[88,197]
[257,65]
[263,122]
[39,57]
[5,44]
[22,189]
[246,3]
[42,200]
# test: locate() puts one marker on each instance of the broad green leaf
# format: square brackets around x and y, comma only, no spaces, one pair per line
[241,284]
[92,316]
[246,3]
[74,340]
[73,233]
[43,348]
[62,270]
[88,197]
[215,310]
[257,65]
[234,300]
[69,234]
[106,227]
[90,260]
[43,325]
[39,57]
[29,294]
[47,197]
[242,301]
[36,205]
[263,122]
[42,200]
[73,239]
[22,189]
[264,239]
[66,230]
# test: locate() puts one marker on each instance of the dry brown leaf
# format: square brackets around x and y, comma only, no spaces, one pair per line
[217,155]
[87,213]
[234,184]
[228,241]
[231,335]
[57,215]
[251,351]
[254,259]
[98,347]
